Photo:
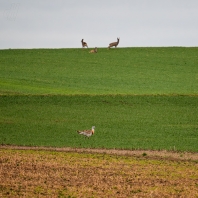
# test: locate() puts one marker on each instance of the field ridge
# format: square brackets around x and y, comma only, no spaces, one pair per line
[150,154]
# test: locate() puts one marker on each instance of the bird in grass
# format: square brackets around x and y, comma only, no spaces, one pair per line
[87,133]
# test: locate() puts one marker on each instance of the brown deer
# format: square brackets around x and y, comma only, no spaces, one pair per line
[114,43]
[84,44]
[95,50]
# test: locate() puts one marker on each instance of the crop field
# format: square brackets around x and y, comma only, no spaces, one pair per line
[123,122]
[115,71]
[138,99]
[60,174]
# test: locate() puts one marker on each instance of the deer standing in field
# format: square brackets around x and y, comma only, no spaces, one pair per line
[94,50]
[115,44]
[84,44]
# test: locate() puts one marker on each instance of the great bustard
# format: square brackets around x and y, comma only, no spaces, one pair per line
[87,133]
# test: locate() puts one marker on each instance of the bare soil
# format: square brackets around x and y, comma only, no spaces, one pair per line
[68,172]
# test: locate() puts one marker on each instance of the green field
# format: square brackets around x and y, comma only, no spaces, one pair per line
[138,98]
[114,71]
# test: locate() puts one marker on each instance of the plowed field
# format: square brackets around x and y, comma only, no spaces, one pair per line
[42,173]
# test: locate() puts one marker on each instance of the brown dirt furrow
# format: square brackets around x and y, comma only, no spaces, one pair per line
[170,155]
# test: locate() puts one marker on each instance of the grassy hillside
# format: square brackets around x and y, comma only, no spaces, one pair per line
[114,71]
[127,122]
[138,98]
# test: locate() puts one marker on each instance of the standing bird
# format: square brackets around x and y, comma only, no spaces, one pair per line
[84,44]
[87,133]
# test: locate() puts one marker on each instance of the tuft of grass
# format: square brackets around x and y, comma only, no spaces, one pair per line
[144,154]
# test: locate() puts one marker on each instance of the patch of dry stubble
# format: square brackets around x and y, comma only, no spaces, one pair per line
[32,173]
